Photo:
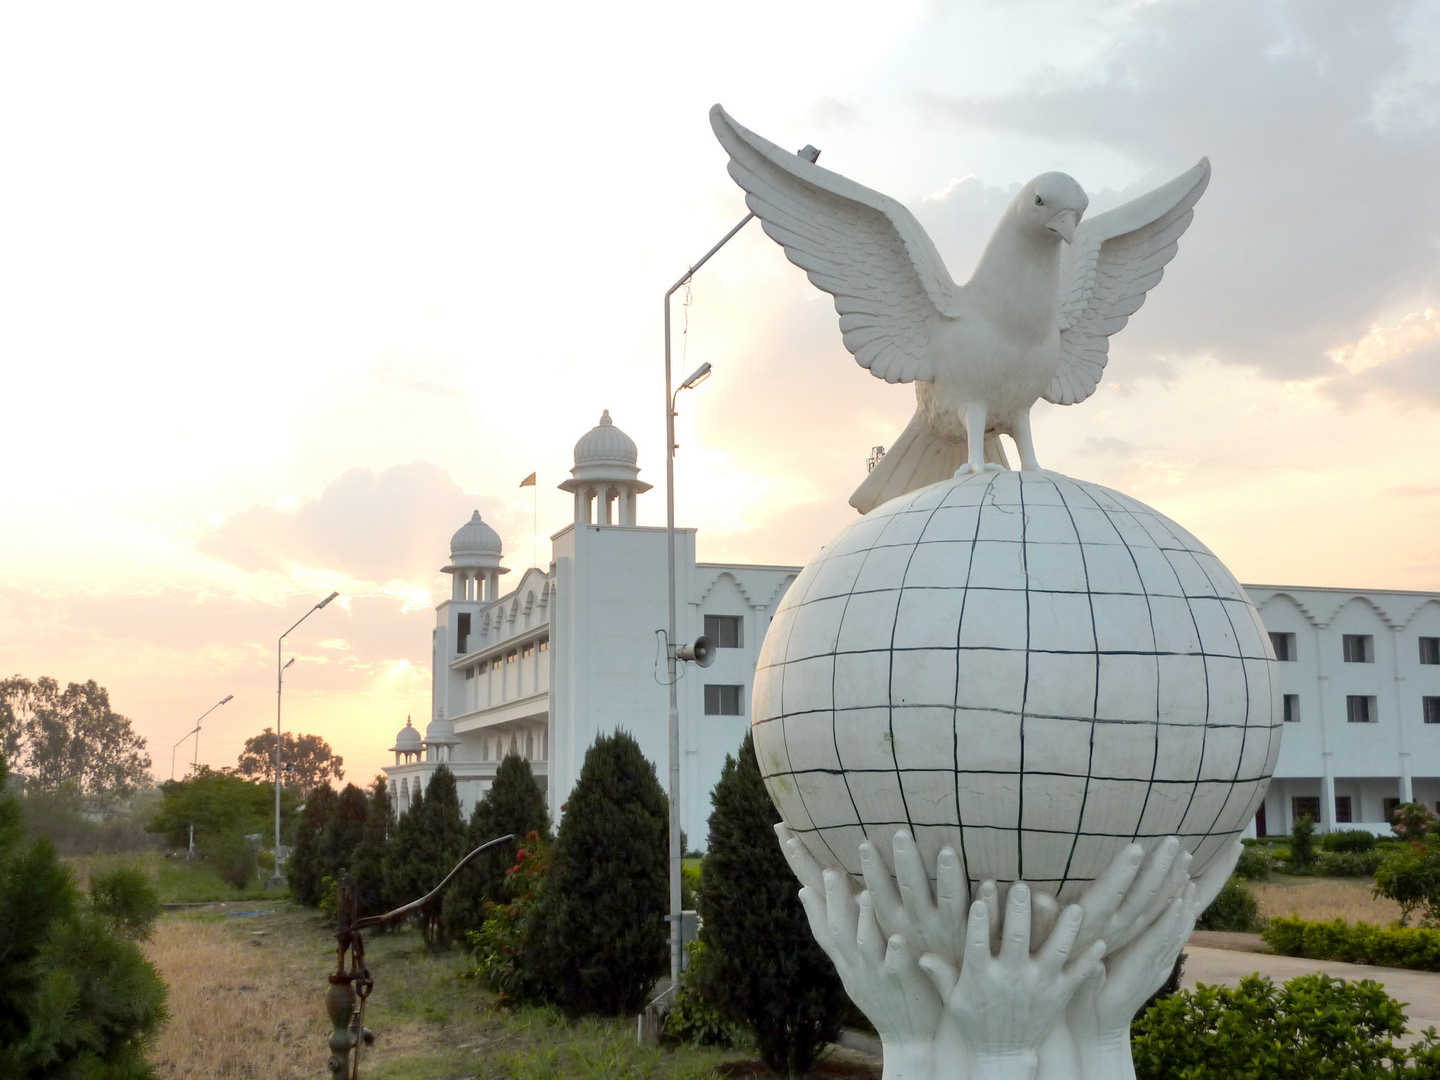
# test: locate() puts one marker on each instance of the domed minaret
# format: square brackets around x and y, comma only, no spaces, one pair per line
[475,561]
[605,479]
[440,740]
[407,744]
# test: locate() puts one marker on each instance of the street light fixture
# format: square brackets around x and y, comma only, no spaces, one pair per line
[699,375]
[196,732]
[279,684]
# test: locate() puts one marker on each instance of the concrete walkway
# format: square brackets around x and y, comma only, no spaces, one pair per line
[1223,959]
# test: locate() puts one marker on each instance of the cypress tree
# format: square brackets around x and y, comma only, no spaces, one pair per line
[429,840]
[344,831]
[367,866]
[598,940]
[514,804]
[307,867]
[762,966]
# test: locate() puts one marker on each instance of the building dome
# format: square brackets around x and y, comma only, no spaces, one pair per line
[605,444]
[440,732]
[475,538]
[407,739]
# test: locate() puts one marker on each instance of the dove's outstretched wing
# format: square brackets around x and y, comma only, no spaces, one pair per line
[863,248]
[1116,258]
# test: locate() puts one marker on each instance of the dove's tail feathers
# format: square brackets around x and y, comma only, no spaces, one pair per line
[918,457]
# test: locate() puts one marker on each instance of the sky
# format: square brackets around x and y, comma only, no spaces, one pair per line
[287,290]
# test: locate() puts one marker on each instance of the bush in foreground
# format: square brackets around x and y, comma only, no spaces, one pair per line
[1312,1028]
[598,940]
[1410,875]
[78,1001]
[762,965]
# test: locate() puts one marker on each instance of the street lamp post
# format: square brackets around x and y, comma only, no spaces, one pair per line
[677,855]
[279,682]
[196,732]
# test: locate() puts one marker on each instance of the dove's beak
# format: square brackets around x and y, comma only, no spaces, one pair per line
[1063,224]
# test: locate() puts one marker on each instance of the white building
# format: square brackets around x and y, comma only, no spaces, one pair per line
[1360,685]
[575,650]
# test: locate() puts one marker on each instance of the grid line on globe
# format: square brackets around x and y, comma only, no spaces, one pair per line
[1029,668]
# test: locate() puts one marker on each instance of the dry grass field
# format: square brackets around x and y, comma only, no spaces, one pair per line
[1323,899]
[247,1001]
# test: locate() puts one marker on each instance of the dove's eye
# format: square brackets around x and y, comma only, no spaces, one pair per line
[1039,201]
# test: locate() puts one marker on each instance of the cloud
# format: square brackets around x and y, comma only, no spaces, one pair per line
[1320,216]
[390,525]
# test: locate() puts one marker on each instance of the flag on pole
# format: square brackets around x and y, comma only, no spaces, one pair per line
[529,481]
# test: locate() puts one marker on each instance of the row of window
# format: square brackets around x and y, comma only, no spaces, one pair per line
[1355,648]
[1363,709]
[1309,806]
[525,652]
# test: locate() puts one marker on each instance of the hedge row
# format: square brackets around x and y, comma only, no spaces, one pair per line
[1356,943]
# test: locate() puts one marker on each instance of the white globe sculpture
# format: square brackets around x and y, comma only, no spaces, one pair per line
[1034,670]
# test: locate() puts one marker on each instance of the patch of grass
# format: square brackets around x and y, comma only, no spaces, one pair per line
[1318,899]
[177,880]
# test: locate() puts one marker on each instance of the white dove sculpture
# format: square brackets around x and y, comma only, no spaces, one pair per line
[1033,321]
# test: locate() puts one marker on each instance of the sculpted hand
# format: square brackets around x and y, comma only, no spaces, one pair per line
[880,975]
[1132,893]
[904,904]
[1005,1006]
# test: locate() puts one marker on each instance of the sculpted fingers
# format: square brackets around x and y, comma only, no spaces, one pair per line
[798,857]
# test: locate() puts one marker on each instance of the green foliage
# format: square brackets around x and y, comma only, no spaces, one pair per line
[1413,821]
[1302,843]
[1410,875]
[234,859]
[1234,908]
[216,803]
[126,901]
[598,938]
[690,877]
[1255,864]
[77,1000]
[1348,840]
[694,1018]
[501,960]
[365,885]
[515,804]
[1313,1028]
[429,840]
[307,760]
[307,866]
[1348,863]
[1412,947]
[70,740]
[763,967]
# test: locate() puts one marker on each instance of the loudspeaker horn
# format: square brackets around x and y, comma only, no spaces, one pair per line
[702,652]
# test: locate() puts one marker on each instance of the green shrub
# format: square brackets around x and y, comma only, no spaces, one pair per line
[306,869]
[1348,840]
[597,941]
[1410,876]
[694,1018]
[501,961]
[763,967]
[234,859]
[1417,948]
[126,901]
[1348,863]
[77,1000]
[1302,843]
[515,804]
[1254,865]
[1234,908]
[1313,1028]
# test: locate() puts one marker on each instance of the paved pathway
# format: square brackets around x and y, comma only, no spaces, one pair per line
[1221,959]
